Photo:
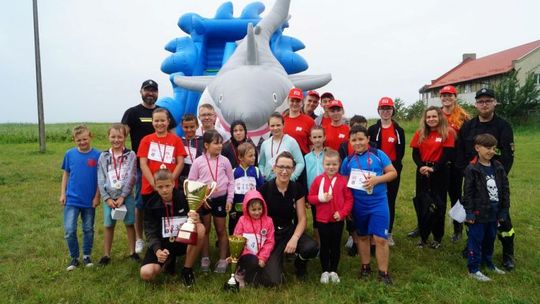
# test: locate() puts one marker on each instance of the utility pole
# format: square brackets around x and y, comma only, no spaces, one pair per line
[41,115]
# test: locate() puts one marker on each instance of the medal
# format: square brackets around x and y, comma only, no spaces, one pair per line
[172,238]
[162,167]
[117,171]
[118,185]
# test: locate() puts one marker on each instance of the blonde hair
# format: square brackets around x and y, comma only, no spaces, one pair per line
[331,153]
[442,127]
[77,130]
[119,127]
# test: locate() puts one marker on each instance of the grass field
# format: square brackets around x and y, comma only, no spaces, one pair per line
[33,253]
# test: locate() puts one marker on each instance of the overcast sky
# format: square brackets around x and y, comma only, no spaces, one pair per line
[95,54]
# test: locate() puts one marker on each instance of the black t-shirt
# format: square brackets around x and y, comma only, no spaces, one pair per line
[139,121]
[281,208]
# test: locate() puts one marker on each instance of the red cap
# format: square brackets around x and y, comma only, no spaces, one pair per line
[334,103]
[386,102]
[313,93]
[296,93]
[448,89]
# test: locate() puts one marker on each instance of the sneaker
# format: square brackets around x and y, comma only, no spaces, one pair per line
[435,245]
[135,257]
[87,262]
[221,266]
[349,242]
[139,246]
[391,240]
[325,278]
[73,264]
[509,264]
[105,260]
[205,264]
[455,237]
[413,233]
[188,277]
[365,271]
[496,270]
[384,277]
[334,278]
[421,244]
[479,276]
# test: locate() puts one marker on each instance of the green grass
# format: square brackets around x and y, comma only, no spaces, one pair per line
[33,254]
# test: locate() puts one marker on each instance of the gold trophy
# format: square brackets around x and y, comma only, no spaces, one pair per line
[196,193]
[236,245]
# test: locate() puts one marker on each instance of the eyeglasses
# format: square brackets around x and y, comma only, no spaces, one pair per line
[484,101]
[284,168]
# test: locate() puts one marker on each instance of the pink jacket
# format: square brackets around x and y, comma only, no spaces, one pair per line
[259,232]
[341,202]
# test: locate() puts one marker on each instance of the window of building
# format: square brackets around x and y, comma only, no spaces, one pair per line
[537,76]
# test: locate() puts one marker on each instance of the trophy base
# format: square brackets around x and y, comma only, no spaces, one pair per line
[231,285]
[187,237]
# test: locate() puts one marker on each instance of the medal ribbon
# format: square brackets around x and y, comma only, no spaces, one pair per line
[272,147]
[162,156]
[210,167]
[118,172]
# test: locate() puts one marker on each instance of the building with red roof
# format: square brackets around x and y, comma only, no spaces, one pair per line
[473,73]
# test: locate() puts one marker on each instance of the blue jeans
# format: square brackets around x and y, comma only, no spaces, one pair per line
[71,215]
[480,245]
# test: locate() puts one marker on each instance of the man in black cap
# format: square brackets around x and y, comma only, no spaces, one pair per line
[138,120]
[488,122]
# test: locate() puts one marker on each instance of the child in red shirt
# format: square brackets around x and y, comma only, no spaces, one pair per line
[336,132]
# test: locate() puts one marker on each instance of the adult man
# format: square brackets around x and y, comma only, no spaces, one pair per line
[208,118]
[138,120]
[311,103]
[297,124]
[488,122]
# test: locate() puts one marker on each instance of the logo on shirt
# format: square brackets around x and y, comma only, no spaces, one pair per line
[438,139]
[91,162]
[299,129]
[264,232]
[145,119]
[391,139]
[341,135]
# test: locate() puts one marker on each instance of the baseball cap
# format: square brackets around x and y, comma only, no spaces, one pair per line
[334,103]
[448,89]
[385,102]
[313,93]
[149,83]
[296,93]
[327,95]
[485,92]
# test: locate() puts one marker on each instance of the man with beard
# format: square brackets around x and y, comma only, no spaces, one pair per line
[138,120]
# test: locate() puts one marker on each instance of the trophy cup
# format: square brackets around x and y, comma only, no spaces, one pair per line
[236,245]
[196,193]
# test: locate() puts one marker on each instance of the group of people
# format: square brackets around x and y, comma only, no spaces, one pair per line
[346,173]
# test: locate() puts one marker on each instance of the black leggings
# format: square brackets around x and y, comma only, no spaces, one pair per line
[392,191]
[330,235]
[248,264]
[438,183]
[454,191]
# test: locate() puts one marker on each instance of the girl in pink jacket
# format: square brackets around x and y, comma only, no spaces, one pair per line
[333,200]
[257,227]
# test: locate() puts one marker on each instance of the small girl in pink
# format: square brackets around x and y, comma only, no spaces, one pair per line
[257,227]
[333,200]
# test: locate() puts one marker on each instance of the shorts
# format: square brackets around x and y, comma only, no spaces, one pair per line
[372,221]
[175,250]
[129,201]
[137,190]
[217,207]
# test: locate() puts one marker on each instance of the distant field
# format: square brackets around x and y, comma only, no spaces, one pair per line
[33,253]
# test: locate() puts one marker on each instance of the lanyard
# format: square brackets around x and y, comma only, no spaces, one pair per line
[368,161]
[188,144]
[162,156]
[210,168]
[119,171]
[168,218]
[272,147]
[256,238]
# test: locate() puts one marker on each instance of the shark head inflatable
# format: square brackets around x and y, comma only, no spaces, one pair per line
[252,84]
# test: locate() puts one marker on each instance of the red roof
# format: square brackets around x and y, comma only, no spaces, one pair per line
[490,65]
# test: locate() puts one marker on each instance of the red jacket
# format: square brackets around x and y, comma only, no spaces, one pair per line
[258,232]
[342,200]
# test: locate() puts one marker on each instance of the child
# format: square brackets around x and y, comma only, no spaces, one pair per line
[164,213]
[337,131]
[207,168]
[192,142]
[79,194]
[158,151]
[257,227]
[486,199]
[238,137]
[369,170]
[117,171]
[314,167]
[329,193]
[246,177]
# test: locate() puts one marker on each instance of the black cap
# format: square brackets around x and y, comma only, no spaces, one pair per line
[485,92]
[149,83]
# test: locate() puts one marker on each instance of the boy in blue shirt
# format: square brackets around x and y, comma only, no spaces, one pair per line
[79,194]
[486,199]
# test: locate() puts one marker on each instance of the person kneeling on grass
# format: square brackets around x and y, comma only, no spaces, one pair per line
[486,199]
[165,211]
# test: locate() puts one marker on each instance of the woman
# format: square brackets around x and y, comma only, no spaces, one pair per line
[390,138]
[432,144]
[286,206]
[238,136]
[456,116]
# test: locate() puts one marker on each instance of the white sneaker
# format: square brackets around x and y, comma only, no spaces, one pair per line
[334,278]
[349,243]
[391,240]
[325,277]
[479,276]
[496,270]
[139,246]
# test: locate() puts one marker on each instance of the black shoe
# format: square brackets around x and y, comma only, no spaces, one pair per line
[414,233]
[421,244]
[135,257]
[384,277]
[188,277]
[509,264]
[365,271]
[105,260]
[435,245]
[455,237]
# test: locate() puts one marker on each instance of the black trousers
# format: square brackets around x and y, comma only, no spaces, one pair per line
[248,264]
[306,249]
[437,182]
[455,186]
[392,191]
[330,236]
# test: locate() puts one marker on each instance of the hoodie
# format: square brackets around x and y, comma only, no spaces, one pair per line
[258,232]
